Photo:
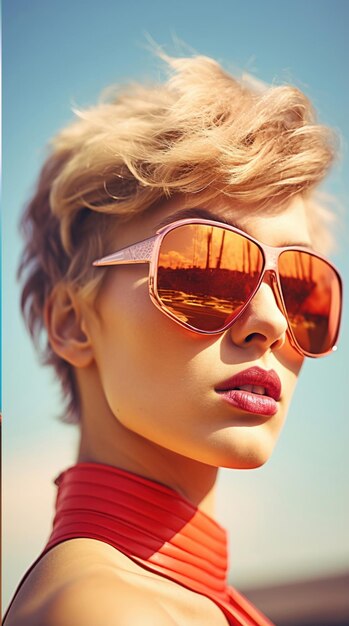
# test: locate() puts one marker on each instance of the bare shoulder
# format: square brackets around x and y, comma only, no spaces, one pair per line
[100,598]
[87,583]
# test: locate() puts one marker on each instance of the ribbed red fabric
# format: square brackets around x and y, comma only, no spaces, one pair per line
[154,526]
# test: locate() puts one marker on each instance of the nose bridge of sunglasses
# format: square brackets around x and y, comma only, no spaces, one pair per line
[271,259]
[271,273]
[270,277]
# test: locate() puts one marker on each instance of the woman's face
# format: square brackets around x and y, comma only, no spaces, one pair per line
[160,380]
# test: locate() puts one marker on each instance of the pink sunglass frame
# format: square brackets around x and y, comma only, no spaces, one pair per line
[147,251]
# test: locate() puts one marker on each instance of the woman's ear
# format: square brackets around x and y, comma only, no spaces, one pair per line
[66,328]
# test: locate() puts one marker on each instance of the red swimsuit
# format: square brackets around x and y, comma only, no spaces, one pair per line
[155,527]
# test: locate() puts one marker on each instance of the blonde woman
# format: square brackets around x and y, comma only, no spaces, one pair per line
[173,257]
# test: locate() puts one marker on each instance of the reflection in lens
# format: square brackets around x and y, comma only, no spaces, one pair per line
[206,274]
[311,292]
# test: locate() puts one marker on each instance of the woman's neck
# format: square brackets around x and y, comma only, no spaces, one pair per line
[104,439]
[131,452]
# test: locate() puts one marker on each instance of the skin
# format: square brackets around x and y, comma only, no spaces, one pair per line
[149,405]
[151,382]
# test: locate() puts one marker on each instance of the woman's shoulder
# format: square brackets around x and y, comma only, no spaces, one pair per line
[69,586]
[87,582]
[99,597]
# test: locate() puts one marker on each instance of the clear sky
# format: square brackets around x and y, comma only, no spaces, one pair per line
[290,518]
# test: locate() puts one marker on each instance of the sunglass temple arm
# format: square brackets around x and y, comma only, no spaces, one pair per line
[137,253]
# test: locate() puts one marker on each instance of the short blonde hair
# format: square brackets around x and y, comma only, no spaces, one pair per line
[202,132]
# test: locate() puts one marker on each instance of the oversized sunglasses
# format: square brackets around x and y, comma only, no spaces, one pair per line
[204,274]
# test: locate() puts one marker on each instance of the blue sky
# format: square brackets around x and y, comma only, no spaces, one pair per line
[60,54]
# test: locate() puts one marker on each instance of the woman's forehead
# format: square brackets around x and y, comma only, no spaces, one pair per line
[276,225]
[285,224]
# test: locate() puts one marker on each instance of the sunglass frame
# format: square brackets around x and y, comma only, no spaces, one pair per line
[147,251]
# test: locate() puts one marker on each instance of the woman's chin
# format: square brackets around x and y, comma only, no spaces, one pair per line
[249,456]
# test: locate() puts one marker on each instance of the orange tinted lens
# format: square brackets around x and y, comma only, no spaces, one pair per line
[206,274]
[312,294]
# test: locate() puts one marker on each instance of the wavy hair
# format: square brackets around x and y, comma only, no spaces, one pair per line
[202,132]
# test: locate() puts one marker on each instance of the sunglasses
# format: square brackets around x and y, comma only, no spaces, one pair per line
[203,275]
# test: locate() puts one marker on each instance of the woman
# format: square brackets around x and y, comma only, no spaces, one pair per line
[173,257]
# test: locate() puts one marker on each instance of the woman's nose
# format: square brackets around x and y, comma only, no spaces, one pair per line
[263,324]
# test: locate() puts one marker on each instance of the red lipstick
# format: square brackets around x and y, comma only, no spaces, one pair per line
[254,390]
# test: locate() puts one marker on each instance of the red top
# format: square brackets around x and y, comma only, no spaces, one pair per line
[155,527]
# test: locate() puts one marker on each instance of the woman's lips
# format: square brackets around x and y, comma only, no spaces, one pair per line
[254,390]
[251,402]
